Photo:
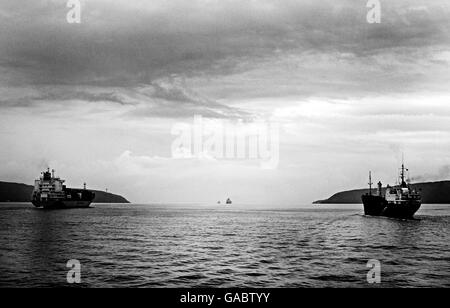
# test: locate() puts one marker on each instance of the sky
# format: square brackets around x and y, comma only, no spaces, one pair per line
[98,100]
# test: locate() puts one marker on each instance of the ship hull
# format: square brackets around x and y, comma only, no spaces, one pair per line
[61,204]
[378,206]
[76,198]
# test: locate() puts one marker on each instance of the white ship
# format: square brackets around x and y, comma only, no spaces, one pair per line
[50,192]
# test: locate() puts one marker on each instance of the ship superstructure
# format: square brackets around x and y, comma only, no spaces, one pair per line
[400,201]
[50,192]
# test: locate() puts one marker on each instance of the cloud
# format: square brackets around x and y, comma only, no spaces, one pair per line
[442,174]
[163,98]
[170,98]
[127,42]
[137,164]
[135,53]
[33,97]
[131,163]
[112,86]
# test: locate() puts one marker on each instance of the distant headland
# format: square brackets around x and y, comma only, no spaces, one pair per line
[432,193]
[15,192]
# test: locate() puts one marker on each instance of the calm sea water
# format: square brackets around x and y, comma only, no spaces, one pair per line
[201,246]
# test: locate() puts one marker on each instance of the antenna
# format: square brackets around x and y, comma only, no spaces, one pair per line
[402,174]
[370,183]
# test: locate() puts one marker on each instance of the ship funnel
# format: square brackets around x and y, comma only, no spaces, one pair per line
[380,189]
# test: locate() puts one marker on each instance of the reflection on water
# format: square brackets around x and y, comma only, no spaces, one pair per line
[195,246]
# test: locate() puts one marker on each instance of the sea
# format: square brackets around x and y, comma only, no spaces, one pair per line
[196,246]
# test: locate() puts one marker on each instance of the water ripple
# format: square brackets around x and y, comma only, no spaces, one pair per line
[156,246]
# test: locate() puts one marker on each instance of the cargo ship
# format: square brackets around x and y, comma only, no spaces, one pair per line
[399,201]
[51,193]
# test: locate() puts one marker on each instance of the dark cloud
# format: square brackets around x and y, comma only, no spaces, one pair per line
[127,43]
[62,95]
[173,99]
[443,174]
[126,53]
[161,98]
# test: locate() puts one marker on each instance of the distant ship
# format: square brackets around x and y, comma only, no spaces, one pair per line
[400,201]
[229,201]
[50,192]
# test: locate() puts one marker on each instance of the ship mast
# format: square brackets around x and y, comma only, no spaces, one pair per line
[402,173]
[370,183]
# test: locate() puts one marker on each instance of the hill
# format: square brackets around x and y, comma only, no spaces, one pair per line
[15,192]
[432,193]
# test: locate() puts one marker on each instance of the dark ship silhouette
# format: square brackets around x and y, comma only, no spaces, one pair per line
[400,201]
[50,192]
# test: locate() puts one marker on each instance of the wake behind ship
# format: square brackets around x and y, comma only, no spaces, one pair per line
[50,192]
[397,202]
